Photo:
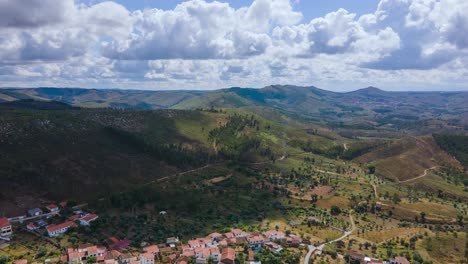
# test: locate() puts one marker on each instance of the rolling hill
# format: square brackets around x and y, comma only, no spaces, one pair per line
[352,114]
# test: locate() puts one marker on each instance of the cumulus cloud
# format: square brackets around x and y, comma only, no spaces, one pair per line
[210,44]
[201,30]
[33,13]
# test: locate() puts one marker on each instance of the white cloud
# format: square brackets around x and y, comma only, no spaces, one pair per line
[210,44]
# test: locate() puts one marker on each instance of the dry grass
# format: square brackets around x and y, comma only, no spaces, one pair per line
[444,247]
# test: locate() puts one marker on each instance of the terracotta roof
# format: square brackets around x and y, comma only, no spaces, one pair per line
[32,226]
[74,217]
[189,253]
[52,206]
[152,249]
[147,255]
[21,261]
[89,217]
[4,222]
[228,253]
[53,228]
[194,243]
[402,260]
[63,204]
[75,255]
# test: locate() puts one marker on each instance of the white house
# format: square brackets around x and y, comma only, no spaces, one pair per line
[52,208]
[146,258]
[55,230]
[5,227]
[86,220]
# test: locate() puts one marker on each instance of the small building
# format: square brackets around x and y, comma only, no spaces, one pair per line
[399,260]
[21,261]
[35,212]
[172,241]
[5,227]
[378,205]
[55,230]
[52,208]
[228,256]
[239,233]
[32,227]
[274,235]
[146,258]
[255,241]
[153,249]
[127,258]
[63,204]
[41,223]
[86,220]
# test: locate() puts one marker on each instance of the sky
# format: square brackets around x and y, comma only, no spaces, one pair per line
[339,45]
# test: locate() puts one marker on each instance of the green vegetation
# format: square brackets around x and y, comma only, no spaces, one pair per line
[456,145]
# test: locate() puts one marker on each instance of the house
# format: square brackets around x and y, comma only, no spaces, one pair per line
[21,261]
[239,233]
[146,258]
[215,254]
[356,256]
[255,241]
[74,256]
[63,204]
[5,227]
[86,221]
[275,248]
[32,227]
[52,208]
[153,249]
[214,236]
[127,258]
[55,230]
[75,217]
[172,241]
[378,205]
[35,212]
[228,256]
[399,260]
[274,235]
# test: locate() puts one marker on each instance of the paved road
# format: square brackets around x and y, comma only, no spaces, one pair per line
[35,217]
[320,247]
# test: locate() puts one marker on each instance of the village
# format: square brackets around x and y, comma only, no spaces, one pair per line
[235,246]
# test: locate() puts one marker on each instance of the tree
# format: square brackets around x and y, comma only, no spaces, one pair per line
[335,210]
[396,198]
[91,259]
[3,259]
[423,217]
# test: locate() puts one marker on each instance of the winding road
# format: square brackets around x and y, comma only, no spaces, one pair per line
[420,176]
[320,247]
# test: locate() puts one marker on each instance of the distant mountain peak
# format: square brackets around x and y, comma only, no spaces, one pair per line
[370,90]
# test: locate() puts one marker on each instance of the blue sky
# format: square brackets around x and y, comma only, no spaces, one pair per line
[309,8]
[339,45]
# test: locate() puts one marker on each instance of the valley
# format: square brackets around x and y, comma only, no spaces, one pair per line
[343,176]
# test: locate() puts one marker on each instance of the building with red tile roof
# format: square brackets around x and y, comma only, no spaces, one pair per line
[5,227]
[52,208]
[55,230]
[228,256]
[147,258]
[86,220]
[32,227]
[153,249]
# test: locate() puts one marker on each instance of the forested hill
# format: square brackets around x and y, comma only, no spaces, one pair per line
[364,111]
